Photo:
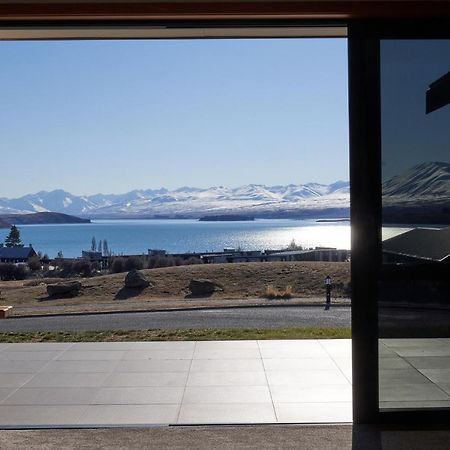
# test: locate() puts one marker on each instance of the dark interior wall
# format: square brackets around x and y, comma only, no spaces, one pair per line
[214,9]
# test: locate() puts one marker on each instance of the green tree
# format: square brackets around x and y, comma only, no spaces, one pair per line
[93,244]
[13,238]
[106,251]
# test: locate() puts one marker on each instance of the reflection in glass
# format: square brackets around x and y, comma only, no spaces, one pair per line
[414,286]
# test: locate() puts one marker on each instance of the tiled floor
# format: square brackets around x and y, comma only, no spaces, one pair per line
[146,383]
[414,373]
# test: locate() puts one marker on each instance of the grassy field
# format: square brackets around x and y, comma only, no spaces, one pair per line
[202,334]
[169,287]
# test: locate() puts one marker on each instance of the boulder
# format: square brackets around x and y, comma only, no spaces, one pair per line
[136,280]
[202,286]
[64,289]
[5,311]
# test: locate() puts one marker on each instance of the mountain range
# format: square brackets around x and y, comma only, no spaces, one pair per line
[420,195]
[186,201]
[424,184]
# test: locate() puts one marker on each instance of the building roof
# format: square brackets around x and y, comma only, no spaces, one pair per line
[16,252]
[421,243]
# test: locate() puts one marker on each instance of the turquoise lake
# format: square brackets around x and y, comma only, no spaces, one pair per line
[176,236]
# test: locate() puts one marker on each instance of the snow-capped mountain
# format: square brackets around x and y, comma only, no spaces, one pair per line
[187,201]
[426,182]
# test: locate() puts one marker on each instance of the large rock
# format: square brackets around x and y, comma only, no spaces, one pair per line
[64,289]
[136,280]
[202,286]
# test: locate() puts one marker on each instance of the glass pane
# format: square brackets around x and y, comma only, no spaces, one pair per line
[414,294]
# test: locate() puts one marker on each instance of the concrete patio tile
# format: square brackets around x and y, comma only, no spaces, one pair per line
[21,366]
[51,396]
[5,392]
[419,347]
[67,380]
[227,394]
[411,392]
[296,364]
[407,352]
[393,363]
[103,346]
[14,380]
[32,415]
[295,344]
[337,347]
[165,345]
[227,365]
[158,354]
[39,346]
[228,345]
[437,375]
[28,356]
[136,379]
[311,394]
[236,353]
[138,395]
[415,404]
[129,415]
[97,355]
[348,373]
[445,387]
[306,377]
[154,365]
[343,362]
[225,413]
[385,351]
[149,383]
[412,342]
[307,352]
[227,379]
[430,362]
[79,366]
[400,376]
[314,412]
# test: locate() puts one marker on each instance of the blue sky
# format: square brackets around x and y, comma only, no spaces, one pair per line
[409,135]
[112,116]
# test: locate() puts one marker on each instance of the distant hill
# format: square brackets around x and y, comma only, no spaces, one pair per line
[420,195]
[426,180]
[4,223]
[39,218]
[226,218]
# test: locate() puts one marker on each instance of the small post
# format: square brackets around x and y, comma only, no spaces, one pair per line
[328,294]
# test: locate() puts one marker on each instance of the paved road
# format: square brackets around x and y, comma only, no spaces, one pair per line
[267,317]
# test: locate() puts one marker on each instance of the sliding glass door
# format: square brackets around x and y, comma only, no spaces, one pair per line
[400,180]
[414,287]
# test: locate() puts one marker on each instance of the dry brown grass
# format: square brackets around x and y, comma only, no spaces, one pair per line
[272,293]
[170,285]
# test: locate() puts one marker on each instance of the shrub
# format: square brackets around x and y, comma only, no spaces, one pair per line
[21,272]
[271,292]
[34,263]
[10,271]
[117,264]
[81,267]
[133,263]
[194,260]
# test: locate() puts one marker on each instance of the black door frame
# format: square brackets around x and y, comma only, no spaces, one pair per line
[365,187]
